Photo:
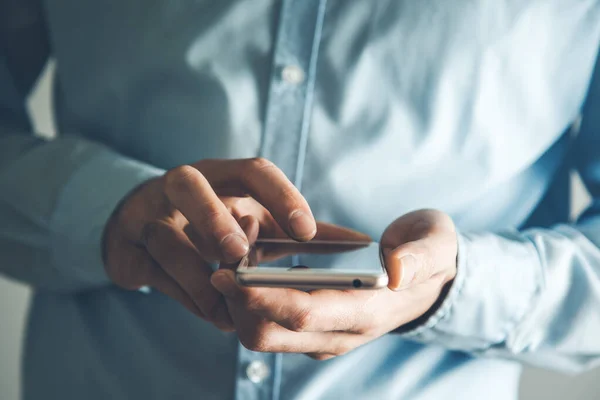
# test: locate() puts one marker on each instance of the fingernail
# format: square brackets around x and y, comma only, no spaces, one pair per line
[302,225]
[409,267]
[223,283]
[234,245]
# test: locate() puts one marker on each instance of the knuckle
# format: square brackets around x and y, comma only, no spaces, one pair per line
[256,339]
[363,329]
[288,195]
[367,327]
[260,164]
[301,321]
[253,302]
[180,178]
[212,215]
[343,348]
[209,219]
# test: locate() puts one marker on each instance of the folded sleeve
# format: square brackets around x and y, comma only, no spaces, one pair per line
[533,295]
[55,198]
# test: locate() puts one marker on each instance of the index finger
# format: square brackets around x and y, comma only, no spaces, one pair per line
[269,186]
[330,238]
[192,194]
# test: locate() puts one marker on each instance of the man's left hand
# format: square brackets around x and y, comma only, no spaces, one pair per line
[420,250]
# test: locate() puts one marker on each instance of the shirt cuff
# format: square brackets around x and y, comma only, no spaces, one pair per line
[84,206]
[498,277]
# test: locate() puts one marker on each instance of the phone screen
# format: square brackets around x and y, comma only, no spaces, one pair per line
[338,256]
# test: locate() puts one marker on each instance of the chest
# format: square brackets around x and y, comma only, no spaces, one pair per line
[412,90]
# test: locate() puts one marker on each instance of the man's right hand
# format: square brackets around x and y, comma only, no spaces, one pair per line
[165,233]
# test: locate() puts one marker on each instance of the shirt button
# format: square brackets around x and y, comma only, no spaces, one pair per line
[257,371]
[292,74]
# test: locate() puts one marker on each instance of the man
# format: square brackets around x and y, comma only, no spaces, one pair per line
[188,128]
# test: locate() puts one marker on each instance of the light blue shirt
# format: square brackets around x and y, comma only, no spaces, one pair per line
[372,108]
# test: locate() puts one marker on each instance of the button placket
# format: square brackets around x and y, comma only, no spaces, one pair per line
[257,371]
[292,74]
[255,375]
[284,141]
[290,99]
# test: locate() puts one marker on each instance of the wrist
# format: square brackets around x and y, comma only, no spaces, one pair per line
[422,319]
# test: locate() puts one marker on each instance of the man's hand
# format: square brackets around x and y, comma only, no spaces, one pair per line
[420,252]
[167,231]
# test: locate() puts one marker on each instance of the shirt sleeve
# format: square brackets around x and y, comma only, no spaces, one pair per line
[55,197]
[534,295]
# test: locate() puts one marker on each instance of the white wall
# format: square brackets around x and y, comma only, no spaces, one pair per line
[14,299]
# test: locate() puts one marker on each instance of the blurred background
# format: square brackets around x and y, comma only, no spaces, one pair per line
[14,300]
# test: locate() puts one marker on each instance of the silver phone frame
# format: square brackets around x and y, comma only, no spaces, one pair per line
[308,279]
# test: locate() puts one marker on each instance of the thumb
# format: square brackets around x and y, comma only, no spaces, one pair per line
[409,264]
[418,246]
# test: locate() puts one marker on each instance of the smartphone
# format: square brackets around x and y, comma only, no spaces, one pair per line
[311,265]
